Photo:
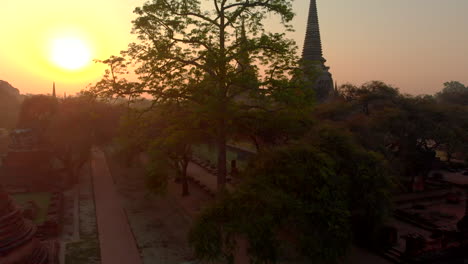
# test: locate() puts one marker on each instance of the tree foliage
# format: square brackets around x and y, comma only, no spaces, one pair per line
[371,94]
[78,124]
[454,93]
[178,131]
[69,127]
[167,134]
[305,195]
[407,130]
[37,112]
[215,54]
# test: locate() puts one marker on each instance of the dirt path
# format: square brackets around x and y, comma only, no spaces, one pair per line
[161,223]
[115,237]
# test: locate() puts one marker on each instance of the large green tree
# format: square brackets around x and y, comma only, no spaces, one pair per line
[178,130]
[69,127]
[79,123]
[166,136]
[309,196]
[216,54]
[36,113]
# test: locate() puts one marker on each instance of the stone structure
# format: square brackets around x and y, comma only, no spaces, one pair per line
[23,139]
[29,169]
[312,57]
[432,224]
[27,164]
[18,244]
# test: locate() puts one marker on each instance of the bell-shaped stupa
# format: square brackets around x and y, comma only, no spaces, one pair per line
[18,244]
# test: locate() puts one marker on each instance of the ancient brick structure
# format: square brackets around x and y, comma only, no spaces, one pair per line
[18,244]
[28,165]
[30,169]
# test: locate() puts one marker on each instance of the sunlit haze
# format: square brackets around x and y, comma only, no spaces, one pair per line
[70,53]
[233,131]
[415,45]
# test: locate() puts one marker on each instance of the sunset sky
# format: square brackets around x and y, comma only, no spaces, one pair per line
[415,45]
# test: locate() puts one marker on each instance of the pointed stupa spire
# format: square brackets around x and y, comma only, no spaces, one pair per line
[53,90]
[244,58]
[312,56]
[313,44]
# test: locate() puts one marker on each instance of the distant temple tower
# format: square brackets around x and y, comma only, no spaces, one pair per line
[53,90]
[313,58]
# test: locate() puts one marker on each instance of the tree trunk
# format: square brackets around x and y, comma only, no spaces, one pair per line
[257,145]
[449,157]
[366,109]
[221,139]
[185,189]
[221,157]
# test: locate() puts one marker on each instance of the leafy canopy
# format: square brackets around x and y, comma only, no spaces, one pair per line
[214,54]
[294,195]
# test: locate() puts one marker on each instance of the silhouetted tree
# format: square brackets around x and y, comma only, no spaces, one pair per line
[374,93]
[37,112]
[167,134]
[69,127]
[408,130]
[185,48]
[454,93]
[70,135]
[304,195]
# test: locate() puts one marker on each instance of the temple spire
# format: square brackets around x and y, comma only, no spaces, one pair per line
[313,60]
[53,90]
[312,50]
[244,58]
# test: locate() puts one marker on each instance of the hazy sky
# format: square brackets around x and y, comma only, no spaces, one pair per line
[415,45]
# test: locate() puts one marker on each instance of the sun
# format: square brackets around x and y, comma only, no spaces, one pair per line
[70,53]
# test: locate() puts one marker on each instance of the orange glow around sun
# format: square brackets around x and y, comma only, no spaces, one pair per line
[57,41]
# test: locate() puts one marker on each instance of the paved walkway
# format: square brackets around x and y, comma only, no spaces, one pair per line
[115,236]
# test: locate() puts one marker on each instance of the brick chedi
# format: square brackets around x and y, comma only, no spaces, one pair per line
[313,59]
[18,244]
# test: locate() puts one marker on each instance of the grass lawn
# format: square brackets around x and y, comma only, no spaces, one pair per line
[86,250]
[42,200]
